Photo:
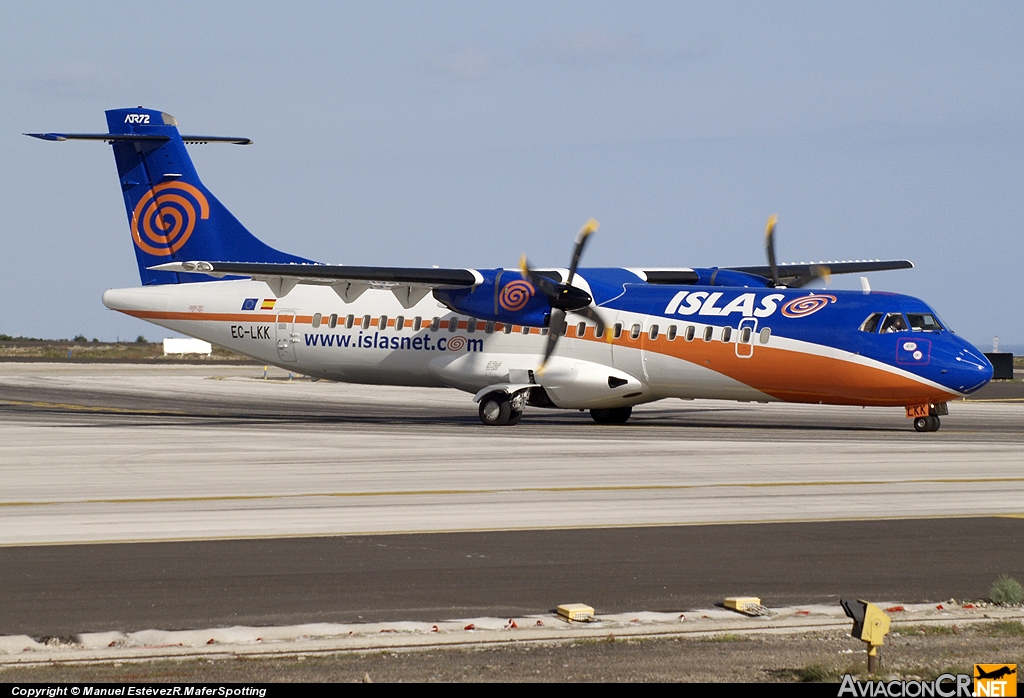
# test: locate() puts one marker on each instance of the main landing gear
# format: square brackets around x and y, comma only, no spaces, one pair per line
[929,423]
[498,410]
[615,415]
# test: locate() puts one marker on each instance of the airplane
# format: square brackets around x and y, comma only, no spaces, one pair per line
[575,338]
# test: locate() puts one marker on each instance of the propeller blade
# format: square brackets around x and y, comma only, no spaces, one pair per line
[769,247]
[556,326]
[818,271]
[562,296]
[543,284]
[586,231]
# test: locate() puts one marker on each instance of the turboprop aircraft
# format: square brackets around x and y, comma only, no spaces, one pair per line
[598,339]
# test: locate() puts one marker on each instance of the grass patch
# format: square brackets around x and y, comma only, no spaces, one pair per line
[725,637]
[1006,628]
[817,673]
[930,630]
[1006,590]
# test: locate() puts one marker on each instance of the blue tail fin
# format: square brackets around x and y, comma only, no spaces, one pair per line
[173,217]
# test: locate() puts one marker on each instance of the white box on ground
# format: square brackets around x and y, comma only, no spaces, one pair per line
[186,345]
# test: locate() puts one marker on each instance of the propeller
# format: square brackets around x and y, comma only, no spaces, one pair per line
[769,247]
[818,271]
[564,298]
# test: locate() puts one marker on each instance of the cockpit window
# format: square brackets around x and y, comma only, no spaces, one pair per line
[924,322]
[894,322]
[871,324]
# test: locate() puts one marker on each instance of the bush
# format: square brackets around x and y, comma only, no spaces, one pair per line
[1006,590]
[141,340]
[79,338]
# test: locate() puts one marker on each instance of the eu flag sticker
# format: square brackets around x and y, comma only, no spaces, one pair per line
[249,304]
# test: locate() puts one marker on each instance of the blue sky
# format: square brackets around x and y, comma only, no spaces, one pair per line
[467,134]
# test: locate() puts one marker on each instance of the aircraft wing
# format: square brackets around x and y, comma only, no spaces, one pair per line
[409,284]
[798,275]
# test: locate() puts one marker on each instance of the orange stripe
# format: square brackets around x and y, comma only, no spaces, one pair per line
[792,376]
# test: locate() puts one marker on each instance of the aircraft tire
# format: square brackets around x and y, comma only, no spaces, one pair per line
[495,409]
[615,415]
[930,423]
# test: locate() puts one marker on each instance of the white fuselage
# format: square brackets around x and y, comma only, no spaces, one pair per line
[295,333]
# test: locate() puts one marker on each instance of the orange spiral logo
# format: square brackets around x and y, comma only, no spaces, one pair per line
[516,295]
[456,344]
[165,217]
[802,307]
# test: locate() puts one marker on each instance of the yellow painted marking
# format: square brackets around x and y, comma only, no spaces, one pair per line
[994,399]
[506,490]
[86,408]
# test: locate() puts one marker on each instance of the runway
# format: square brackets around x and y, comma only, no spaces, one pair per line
[260,499]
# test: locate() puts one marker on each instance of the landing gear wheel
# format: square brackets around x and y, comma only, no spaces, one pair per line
[930,423]
[615,415]
[496,410]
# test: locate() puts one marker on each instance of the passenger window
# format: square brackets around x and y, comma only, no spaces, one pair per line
[871,324]
[453,324]
[399,323]
[923,322]
[726,334]
[349,321]
[745,335]
[690,330]
[526,330]
[316,320]
[634,331]
[435,324]
[671,332]
[543,331]
[598,332]
[766,334]
[506,328]
[708,331]
[382,324]
[366,322]
[489,327]
[417,323]
[894,322]
[653,334]
[617,330]
[581,329]
[471,325]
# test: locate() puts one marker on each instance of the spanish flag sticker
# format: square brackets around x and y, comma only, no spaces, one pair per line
[268,304]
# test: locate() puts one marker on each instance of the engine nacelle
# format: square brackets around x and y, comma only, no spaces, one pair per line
[504,296]
[577,384]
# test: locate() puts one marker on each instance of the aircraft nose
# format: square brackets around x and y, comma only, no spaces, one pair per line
[968,371]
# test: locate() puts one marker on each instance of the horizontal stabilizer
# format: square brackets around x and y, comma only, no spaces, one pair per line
[137,137]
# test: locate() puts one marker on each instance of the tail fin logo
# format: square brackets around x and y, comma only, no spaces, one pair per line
[165,217]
